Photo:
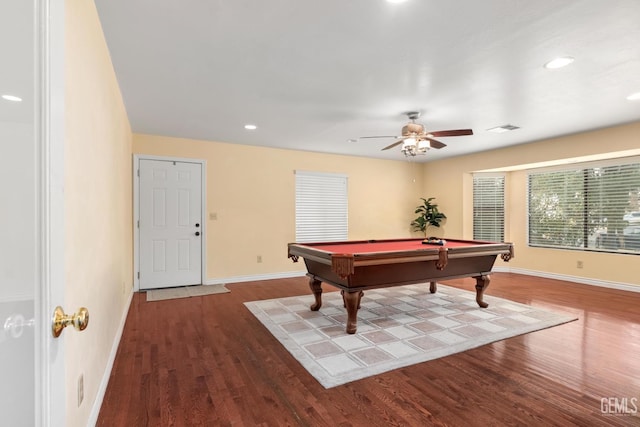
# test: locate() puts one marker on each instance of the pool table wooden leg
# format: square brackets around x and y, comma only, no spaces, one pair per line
[433,287]
[317,292]
[352,303]
[482,283]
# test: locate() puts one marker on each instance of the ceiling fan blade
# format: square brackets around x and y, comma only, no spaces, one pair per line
[386,136]
[393,145]
[436,144]
[458,132]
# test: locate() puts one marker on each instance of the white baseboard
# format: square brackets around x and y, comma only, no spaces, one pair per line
[102,389]
[576,279]
[252,278]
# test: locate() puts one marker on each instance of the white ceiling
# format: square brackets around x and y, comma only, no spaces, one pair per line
[314,74]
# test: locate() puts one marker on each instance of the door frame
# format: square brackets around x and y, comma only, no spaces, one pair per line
[50,398]
[49,141]
[136,213]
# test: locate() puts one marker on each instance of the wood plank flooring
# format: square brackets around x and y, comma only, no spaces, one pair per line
[206,361]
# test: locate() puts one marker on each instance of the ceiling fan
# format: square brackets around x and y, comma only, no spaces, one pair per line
[416,140]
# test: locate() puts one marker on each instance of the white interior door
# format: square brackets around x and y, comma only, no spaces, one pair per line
[18,271]
[31,361]
[170,223]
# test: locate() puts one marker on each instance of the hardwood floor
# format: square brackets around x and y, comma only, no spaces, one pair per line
[206,361]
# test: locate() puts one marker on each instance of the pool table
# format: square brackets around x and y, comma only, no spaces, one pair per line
[355,266]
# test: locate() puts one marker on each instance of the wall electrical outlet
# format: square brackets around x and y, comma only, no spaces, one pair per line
[580,264]
[259,258]
[80,389]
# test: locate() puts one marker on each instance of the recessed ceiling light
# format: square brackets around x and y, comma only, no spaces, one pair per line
[11,98]
[559,62]
[503,128]
[250,127]
[396,1]
[634,97]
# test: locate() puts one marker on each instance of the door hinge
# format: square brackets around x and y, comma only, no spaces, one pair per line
[138,172]
[138,274]
[138,223]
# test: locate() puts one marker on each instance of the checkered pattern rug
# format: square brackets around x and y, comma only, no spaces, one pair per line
[397,327]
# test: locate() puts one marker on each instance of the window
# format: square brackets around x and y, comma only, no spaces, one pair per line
[594,208]
[321,207]
[488,207]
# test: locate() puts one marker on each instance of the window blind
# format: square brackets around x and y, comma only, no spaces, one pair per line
[321,207]
[587,208]
[488,207]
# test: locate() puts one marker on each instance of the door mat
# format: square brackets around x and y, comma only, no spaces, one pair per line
[185,292]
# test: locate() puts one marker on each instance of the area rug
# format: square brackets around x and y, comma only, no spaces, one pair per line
[397,327]
[185,292]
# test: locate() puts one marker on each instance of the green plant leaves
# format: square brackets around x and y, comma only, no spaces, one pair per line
[429,215]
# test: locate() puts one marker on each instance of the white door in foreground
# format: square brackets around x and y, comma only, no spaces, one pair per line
[32,376]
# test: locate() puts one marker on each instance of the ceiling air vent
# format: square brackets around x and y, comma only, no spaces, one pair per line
[503,128]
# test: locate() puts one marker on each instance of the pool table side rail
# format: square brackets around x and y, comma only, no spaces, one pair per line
[387,275]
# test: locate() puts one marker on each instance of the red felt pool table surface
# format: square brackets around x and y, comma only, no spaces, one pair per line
[392,251]
[378,246]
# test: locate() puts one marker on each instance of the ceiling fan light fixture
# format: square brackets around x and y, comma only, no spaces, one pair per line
[412,147]
[408,147]
[560,62]
[423,145]
[416,140]
[409,142]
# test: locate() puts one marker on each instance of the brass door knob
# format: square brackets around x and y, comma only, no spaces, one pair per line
[79,320]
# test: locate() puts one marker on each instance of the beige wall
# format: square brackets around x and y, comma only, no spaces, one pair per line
[252,192]
[445,179]
[97,204]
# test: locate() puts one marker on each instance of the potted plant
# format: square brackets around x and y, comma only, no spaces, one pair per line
[429,215]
